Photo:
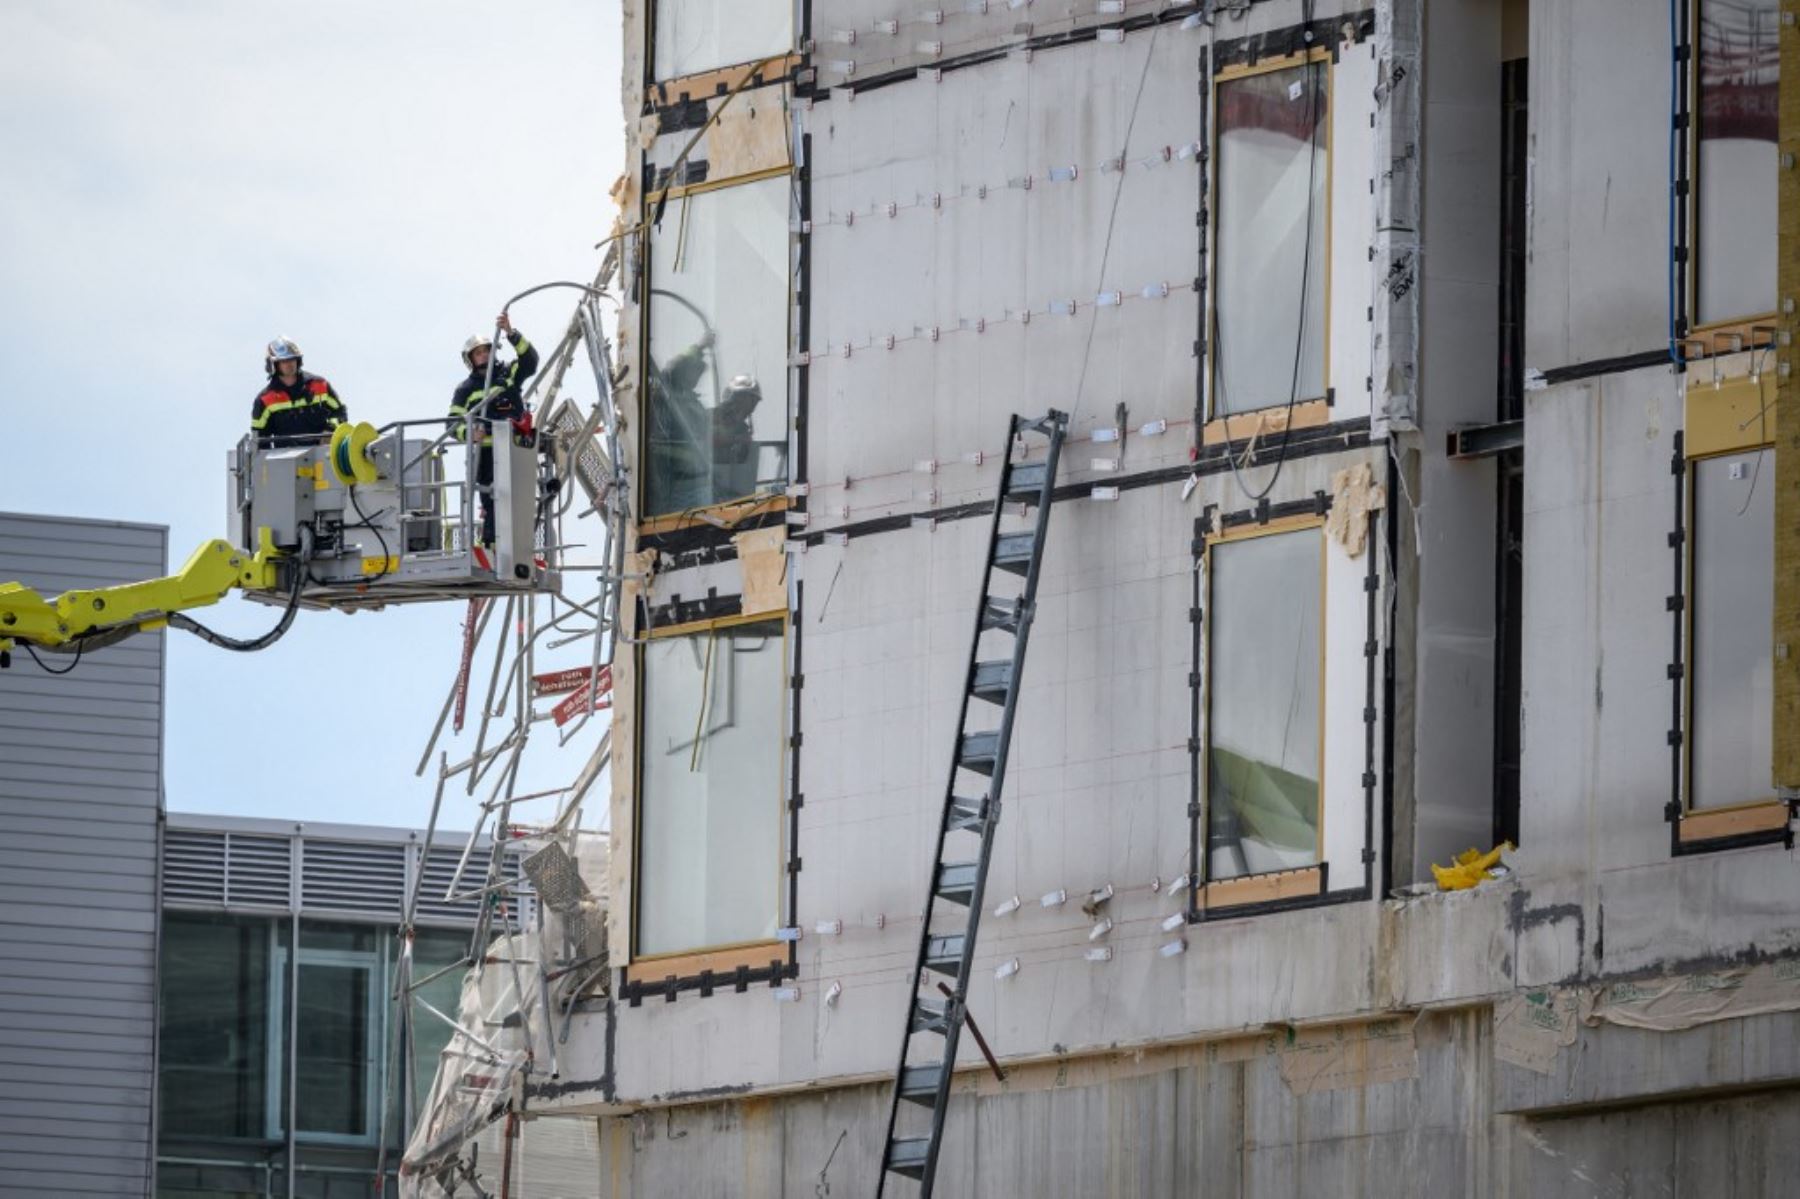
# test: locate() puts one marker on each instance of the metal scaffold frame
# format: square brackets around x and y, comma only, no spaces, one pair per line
[538,947]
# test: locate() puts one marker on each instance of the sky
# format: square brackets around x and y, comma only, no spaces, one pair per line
[184,181]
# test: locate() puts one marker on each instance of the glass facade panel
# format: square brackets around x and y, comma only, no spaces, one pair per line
[334,1072]
[215,1052]
[709,836]
[1735,117]
[1730,714]
[1270,250]
[692,36]
[1263,696]
[718,337]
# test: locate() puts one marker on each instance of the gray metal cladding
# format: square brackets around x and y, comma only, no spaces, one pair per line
[80,800]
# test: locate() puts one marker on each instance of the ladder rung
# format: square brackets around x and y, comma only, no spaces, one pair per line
[1025,481]
[998,613]
[978,752]
[956,881]
[1013,551]
[966,815]
[906,1155]
[919,1084]
[992,680]
[944,954]
[930,1016]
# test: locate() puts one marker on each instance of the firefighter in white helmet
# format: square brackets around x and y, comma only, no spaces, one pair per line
[499,403]
[294,407]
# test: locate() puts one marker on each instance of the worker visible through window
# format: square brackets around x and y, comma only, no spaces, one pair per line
[294,407]
[484,402]
[718,349]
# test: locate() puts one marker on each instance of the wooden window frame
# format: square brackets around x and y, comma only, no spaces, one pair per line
[1302,412]
[1748,327]
[718,958]
[724,514]
[1292,882]
[1736,417]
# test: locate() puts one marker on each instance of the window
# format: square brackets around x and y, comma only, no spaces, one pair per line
[1724,749]
[1731,515]
[1264,715]
[1736,95]
[718,346]
[1270,230]
[339,1031]
[215,1056]
[692,36]
[709,862]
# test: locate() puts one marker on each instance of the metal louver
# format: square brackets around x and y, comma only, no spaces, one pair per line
[193,868]
[213,869]
[353,877]
[258,871]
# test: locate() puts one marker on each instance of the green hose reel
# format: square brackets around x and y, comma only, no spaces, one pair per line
[351,461]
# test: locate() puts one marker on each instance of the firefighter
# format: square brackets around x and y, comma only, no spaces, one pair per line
[503,402]
[294,407]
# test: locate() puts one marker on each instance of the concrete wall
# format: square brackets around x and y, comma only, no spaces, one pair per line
[81,797]
[1438,1044]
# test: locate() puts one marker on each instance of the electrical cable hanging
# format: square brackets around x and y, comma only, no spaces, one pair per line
[236,645]
[1308,67]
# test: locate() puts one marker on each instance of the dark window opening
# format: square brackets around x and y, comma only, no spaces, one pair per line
[1509,540]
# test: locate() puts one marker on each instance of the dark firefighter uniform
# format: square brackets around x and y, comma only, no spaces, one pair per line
[504,404]
[284,415]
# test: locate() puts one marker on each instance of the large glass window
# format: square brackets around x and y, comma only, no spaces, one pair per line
[692,36]
[1264,668]
[340,1031]
[1732,593]
[709,820]
[1737,94]
[718,348]
[215,1055]
[1270,228]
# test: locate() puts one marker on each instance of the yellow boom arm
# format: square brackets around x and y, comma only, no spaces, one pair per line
[207,577]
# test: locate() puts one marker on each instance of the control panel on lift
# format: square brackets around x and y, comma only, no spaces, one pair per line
[386,525]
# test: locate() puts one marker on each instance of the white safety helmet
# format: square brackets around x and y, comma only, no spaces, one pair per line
[475,342]
[282,349]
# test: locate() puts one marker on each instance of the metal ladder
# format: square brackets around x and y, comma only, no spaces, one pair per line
[959,881]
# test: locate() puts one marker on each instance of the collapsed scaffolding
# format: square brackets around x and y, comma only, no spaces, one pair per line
[538,951]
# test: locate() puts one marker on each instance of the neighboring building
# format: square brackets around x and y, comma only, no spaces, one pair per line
[81,804]
[1388,527]
[245,1040]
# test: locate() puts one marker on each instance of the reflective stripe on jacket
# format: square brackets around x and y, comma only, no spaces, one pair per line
[504,399]
[308,408]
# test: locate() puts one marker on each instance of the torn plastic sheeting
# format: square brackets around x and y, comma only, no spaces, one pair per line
[1531,1028]
[1671,1004]
[1354,494]
[763,555]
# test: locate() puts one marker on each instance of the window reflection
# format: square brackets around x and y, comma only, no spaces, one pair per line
[718,312]
[1263,696]
[709,839]
[1270,248]
[215,1020]
[1736,118]
[703,35]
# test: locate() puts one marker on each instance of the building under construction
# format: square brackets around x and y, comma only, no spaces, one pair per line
[1237,553]
[1419,491]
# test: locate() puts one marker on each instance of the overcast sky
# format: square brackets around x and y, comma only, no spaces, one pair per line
[184,181]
